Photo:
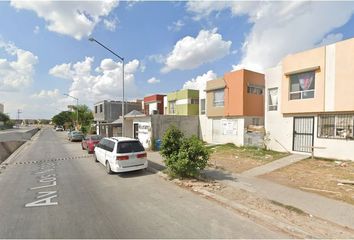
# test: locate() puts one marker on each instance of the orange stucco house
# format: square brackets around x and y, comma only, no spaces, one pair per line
[233,102]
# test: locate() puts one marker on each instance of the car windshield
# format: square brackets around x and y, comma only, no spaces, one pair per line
[95,138]
[77,133]
[130,146]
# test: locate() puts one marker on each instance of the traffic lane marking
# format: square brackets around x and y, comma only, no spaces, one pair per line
[45,198]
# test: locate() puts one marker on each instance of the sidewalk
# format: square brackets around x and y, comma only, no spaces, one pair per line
[331,210]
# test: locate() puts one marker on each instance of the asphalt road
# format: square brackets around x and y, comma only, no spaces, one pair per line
[53,189]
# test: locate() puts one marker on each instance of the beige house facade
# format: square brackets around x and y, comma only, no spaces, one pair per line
[310,102]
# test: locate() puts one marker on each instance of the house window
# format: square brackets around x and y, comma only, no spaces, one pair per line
[273,99]
[336,126]
[95,109]
[202,106]
[101,108]
[172,105]
[253,89]
[218,100]
[302,85]
[194,101]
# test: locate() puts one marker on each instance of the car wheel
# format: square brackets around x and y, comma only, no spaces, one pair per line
[95,158]
[108,168]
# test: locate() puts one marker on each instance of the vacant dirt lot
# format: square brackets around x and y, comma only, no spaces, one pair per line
[239,159]
[299,223]
[318,176]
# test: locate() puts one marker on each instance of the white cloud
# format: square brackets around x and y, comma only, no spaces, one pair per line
[36,30]
[280,28]
[110,25]
[158,58]
[153,80]
[73,18]
[16,74]
[47,94]
[200,81]
[62,71]
[189,52]
[103,83]
[176,26]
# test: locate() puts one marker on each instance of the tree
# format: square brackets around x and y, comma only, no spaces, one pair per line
[63,118]
[4,118]
[68,119]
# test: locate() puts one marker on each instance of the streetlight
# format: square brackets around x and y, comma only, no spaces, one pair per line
[77,108]
[122,59]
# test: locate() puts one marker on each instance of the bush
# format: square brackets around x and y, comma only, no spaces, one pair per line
[184,157]
[171,142]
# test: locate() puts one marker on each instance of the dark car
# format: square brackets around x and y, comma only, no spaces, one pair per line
[90,142]
[76,136]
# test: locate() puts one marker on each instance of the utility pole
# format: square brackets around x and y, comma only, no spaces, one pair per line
[18,117]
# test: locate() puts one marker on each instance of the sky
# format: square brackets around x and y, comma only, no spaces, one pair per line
[45,52]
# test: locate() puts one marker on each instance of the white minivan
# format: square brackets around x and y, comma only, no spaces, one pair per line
[120,154]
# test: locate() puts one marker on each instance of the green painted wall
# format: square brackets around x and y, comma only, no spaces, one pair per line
[184,109]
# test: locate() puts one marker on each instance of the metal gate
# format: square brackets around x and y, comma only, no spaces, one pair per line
[303,131]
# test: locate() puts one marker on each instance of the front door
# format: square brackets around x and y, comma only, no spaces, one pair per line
[303,131]
[136,130]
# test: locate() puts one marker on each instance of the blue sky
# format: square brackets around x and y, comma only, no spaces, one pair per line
[45,52]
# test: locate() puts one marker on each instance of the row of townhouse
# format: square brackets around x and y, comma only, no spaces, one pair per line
[310,102]
[304,104]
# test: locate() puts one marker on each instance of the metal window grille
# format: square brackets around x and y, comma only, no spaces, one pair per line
[339,126]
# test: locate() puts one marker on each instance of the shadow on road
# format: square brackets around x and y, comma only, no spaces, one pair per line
[218,175]
[134,174]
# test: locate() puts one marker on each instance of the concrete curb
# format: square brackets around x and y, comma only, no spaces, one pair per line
[18,150]
[250,213]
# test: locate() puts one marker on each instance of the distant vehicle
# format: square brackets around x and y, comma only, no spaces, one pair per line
[59,129]
[90,142]
[120,154]
[76,136]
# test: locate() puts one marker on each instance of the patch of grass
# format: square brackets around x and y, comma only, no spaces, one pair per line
[250,152]
[288,207]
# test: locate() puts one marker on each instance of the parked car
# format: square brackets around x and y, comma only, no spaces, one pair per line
[120,154]
[59,129]
[76,136]
[90,142]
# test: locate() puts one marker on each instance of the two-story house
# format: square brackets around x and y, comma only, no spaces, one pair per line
[310,102]
[107,116]
[154,104]
[230,105]
[183,102]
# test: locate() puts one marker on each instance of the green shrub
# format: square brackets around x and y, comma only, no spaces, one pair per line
[171,142]
[184,157]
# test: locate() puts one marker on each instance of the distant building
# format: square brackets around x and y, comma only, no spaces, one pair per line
[154,104]
[184,102]
[106,114]
[1,108]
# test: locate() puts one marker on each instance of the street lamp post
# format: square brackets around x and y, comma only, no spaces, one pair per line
[77,107]
[121,59]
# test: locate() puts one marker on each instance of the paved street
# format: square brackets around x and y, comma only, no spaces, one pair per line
[53,189]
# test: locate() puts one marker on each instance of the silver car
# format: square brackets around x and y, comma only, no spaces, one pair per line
[76,136]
